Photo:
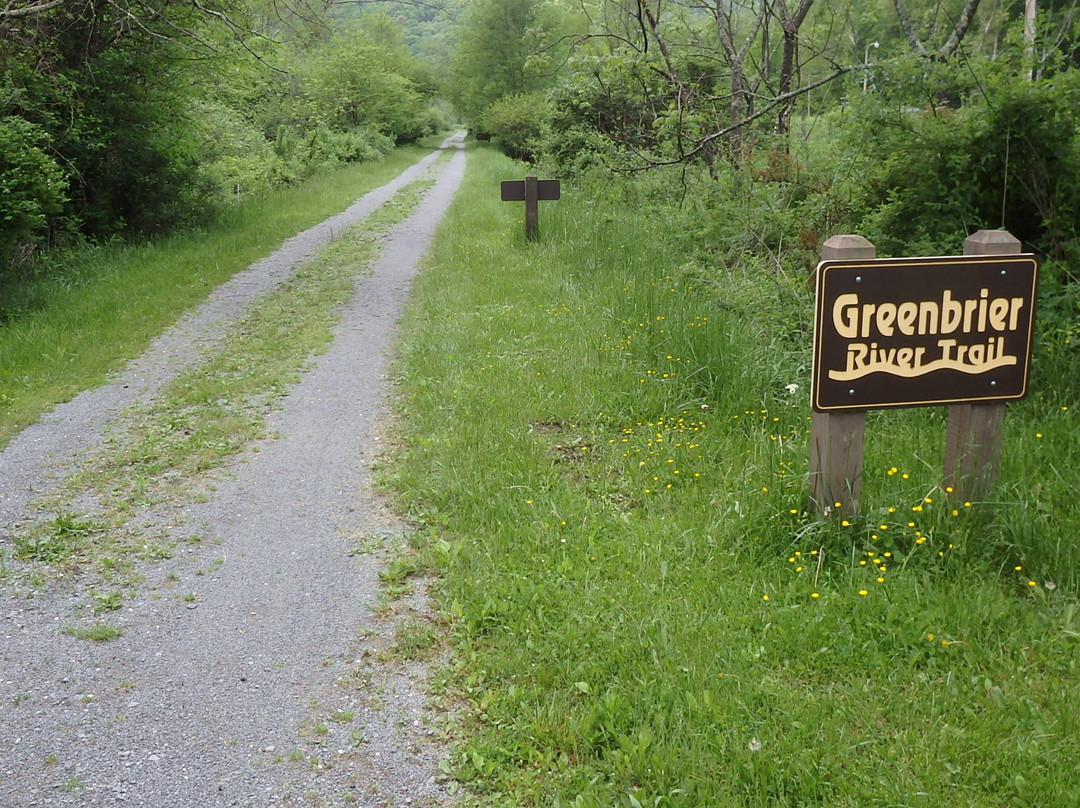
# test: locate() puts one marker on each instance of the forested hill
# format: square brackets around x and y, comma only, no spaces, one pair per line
[428,29]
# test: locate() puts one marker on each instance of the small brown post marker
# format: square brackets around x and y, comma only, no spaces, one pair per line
[530,191]
[973,434]
[836,438]
[532,209]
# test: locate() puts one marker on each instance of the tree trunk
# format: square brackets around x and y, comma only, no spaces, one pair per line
[955,38]
[742,101]
[1030,12]
[790,23]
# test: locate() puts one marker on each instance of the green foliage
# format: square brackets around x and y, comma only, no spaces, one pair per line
[32,186]
[116,124]
[517,122]
[496,54]
[603,101]
[348,83]
[1007,156]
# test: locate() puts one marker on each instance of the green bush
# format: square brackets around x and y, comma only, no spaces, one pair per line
[32,186]
[330,148]
[1006,157]
[516,122]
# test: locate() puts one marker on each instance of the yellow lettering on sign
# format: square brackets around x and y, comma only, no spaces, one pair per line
[866,358]
[854,319]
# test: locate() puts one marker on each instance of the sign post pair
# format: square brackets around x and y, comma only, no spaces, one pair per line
[911,332]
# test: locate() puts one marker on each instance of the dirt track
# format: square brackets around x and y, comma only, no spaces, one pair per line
[263,688]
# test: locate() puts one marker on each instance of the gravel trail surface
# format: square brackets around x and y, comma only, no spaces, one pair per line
[249,671]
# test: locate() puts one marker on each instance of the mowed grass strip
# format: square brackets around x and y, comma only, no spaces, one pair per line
[605,447]
[64,332]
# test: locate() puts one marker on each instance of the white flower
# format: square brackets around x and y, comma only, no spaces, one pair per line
[755,745]
[792,388]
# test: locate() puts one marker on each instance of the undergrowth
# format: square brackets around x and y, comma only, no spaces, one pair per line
[606,448]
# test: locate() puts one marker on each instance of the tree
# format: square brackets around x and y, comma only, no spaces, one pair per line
[494,47]
[790,23]
[702,47]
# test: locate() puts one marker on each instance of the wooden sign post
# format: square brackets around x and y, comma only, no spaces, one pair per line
[911,332]
[836,439]
[973,434]
[530,191]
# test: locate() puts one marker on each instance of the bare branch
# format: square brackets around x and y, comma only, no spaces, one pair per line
[773,103]
[26,11]
[909,29]
[962,24]
[957,35]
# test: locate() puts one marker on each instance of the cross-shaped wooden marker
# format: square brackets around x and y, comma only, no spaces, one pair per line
[530,191]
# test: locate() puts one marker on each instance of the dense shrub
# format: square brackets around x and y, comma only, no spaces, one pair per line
[111,126]
[517,122]
[32,185]
[1006,157]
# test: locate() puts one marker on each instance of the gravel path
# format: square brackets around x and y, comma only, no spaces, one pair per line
[249,670]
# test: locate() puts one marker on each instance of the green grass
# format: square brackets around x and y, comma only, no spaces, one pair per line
[610,471]
[66,331]
[97,632]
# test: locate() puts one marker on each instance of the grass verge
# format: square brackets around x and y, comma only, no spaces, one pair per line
[606,447]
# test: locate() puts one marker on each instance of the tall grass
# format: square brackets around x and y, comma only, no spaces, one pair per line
[66,329]
[606,458]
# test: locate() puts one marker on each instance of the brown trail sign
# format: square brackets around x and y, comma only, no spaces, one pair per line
[918,331]
[530,191]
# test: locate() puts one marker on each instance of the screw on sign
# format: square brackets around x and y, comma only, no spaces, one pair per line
[530,191]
